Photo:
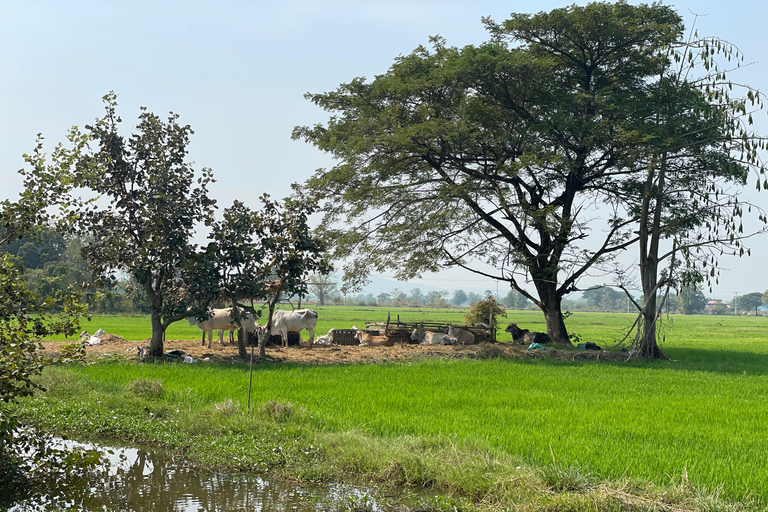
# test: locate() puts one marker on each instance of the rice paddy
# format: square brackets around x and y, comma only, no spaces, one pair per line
[701,419]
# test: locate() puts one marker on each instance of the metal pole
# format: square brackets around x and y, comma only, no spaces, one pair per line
[250,379]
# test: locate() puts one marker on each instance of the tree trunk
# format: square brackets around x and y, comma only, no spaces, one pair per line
[267,331]
[650,236]
[550,304]
[242,337]
[156,315]
[648,348]
[156,345]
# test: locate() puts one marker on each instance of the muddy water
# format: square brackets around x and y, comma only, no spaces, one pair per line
[139,480]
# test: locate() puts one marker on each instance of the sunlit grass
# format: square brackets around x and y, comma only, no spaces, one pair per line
[702,416]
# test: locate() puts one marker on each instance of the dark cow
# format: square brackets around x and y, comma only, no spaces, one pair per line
[526,337]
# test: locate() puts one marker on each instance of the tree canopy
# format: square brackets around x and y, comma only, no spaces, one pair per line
[495,153]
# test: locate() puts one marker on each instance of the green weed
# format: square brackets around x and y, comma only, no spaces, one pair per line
[146,388]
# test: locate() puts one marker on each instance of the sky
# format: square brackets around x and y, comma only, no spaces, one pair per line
[237,72]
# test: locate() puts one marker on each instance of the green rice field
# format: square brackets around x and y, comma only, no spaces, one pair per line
[700,419]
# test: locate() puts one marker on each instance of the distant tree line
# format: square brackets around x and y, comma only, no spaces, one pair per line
[323,290]
[689,300]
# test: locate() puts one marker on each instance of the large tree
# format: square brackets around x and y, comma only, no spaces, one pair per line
[493,157]
[156,201]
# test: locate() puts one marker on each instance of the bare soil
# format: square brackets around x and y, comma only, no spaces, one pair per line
[319,354]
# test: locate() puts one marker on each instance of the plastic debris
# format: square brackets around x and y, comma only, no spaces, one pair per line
[535,346]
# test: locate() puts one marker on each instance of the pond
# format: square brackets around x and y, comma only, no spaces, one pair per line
[140,480]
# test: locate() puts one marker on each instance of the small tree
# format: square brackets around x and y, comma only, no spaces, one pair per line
[692,300]
[459,298]
[484,312]
[323,287]
[273,257]
[417,295]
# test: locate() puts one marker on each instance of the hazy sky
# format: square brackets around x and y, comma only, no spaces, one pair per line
[237,72]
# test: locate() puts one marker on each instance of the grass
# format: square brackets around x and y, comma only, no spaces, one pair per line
[688,431]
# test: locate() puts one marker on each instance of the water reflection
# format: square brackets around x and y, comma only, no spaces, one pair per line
[139,480]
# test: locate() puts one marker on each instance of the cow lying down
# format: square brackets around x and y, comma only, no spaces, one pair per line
[526,337]
[369,340]
[463,337]
[325,339]
[432,338]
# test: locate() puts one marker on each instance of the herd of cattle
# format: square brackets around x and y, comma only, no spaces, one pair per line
[284,322]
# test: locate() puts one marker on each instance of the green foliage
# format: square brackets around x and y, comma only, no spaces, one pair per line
[604,298]
[748,302]
[27,458]
[692,300]
[484,312]
[515,300]
[37,248]
[459,298]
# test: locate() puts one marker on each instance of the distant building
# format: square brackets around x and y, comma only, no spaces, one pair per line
[716,306]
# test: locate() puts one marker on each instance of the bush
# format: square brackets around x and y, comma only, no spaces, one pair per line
[481,312]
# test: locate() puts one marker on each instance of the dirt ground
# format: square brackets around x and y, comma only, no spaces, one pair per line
[319,354]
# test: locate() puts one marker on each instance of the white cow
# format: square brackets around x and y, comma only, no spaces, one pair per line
[284,322]
[432,338]
[221,320]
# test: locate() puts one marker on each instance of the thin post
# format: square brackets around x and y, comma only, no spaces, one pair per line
[490,323]
[250,379]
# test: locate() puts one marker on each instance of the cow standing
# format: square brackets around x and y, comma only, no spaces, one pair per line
[221,320]
[284,322]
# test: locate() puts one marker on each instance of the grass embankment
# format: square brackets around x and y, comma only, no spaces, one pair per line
[527,435]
